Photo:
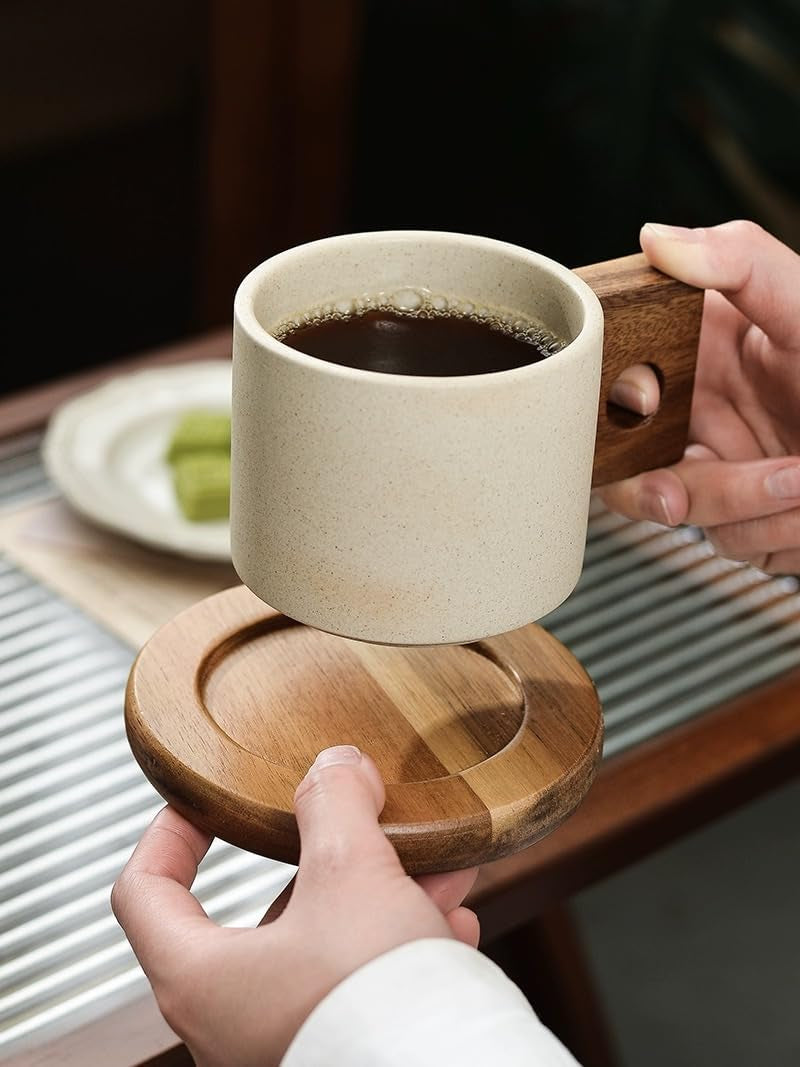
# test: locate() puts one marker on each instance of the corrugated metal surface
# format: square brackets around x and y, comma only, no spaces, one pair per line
[22,475]
[72,805]
[665,628]
[668,630]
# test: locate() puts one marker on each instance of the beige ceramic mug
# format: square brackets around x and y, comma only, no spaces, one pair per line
[402,509]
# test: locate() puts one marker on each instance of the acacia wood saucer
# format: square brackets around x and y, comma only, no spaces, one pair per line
[484,748]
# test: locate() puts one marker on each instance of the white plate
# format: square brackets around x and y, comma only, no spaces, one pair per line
[105,451]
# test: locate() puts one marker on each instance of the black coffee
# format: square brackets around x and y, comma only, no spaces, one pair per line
[427,339]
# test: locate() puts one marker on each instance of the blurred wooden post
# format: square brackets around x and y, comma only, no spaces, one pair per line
[546,959]
[280,101]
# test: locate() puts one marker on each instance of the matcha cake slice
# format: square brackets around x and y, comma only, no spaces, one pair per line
[200,431]
[203,485]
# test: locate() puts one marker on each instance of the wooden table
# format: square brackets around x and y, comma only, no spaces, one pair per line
[638,804]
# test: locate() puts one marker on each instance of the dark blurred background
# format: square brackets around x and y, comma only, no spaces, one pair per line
[153,152]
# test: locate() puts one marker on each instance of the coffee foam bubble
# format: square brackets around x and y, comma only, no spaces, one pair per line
[419,302]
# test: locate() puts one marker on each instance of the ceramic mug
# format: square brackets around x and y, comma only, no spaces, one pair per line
[401,509]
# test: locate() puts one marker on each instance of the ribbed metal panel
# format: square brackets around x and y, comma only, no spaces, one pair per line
[72,804]
[666,629]
[22,475]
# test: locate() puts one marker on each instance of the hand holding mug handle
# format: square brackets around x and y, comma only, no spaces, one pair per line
[648,318]
[739,477]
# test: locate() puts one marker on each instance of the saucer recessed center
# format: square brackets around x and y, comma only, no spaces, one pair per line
[284,692]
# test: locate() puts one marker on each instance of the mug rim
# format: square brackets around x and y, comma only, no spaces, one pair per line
[245,317]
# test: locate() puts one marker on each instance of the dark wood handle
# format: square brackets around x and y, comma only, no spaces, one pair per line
[649,318]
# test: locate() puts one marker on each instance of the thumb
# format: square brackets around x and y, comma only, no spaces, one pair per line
[337,806]
[751,268]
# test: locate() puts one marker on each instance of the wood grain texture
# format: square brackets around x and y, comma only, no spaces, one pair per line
[135,1034]
[639,802]
[649,318]
[128,588]
[649,796]
[484,748]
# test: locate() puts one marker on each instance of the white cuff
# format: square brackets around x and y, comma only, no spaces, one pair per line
[426,1004]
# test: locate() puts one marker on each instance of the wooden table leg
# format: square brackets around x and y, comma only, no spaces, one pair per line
[547,961]
[174,1057]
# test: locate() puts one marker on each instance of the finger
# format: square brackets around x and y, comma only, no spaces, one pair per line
[279,904]
[699,452]
[716,423]
[151,897]
[447,891]
[758,538]
[337,806]
[637,389]
[465,926]
[781,563]
[750,267]
[709,492]
[655,496]
[721,492]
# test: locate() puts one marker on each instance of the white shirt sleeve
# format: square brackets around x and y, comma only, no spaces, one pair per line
[426,1004]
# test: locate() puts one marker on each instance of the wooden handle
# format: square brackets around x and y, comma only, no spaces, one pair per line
[649,318]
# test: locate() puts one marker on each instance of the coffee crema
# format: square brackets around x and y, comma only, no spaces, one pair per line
[413,331]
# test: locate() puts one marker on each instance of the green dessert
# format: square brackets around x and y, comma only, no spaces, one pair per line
[200,431]
[203,485]
[199,453]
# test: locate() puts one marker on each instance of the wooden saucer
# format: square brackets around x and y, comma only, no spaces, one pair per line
[484,748]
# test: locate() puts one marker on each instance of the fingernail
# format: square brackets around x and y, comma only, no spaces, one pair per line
[654,506]
[628,396]
[784,484]
[673,233]
[339,754]
[696,452]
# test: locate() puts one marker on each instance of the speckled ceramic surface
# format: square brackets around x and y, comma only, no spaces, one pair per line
[401,509]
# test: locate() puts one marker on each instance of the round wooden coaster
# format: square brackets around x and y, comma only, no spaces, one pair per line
[484,748]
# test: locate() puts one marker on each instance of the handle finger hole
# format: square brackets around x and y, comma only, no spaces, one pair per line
[635,396]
